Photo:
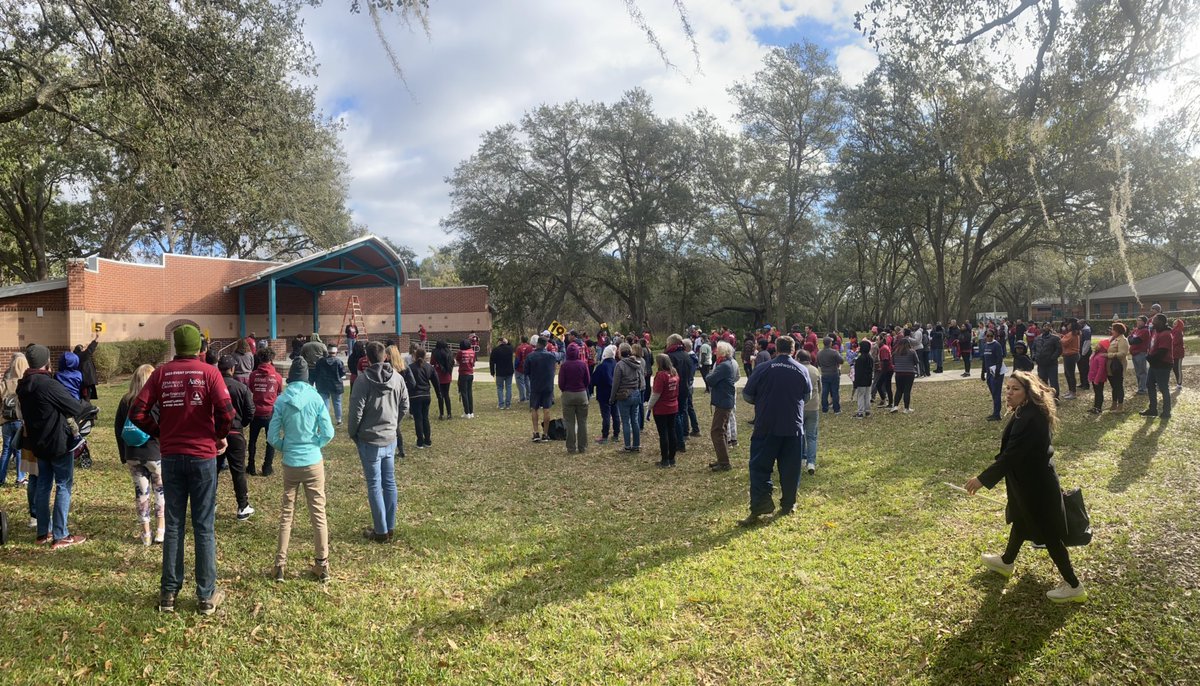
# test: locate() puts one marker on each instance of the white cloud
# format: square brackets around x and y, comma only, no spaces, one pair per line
[486,63]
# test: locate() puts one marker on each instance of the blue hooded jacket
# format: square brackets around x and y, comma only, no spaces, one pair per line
[69,375]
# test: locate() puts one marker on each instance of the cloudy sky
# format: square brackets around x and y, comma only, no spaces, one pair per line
[486,62]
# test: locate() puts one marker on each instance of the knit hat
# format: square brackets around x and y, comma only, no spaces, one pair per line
[299,371]
[187,340]
[38,356]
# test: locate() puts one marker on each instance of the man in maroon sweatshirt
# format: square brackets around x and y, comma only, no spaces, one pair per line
[186,405]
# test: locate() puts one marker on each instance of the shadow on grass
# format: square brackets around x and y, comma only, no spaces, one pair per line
[577,562]
[988,650]
[1134,462]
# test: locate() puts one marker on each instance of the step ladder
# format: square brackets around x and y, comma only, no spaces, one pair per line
[353,315]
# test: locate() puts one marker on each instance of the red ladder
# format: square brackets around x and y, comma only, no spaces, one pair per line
[353,315]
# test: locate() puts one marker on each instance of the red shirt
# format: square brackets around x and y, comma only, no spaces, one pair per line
[265,385]
[1142,345]
[194,409]
[523,351]
[466,362]
[667,386]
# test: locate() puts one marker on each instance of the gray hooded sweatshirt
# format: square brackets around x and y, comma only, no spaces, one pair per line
[627,378]
[378,400]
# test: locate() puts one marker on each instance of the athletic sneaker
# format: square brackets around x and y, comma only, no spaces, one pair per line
[537,438]
[279,575]
[33,522]
[602,440]
[908,410]
[166,601]
[244,513]
[893,408]
[1069,396]
[812,467]
[67,542]
[997,565]
[1063,593]
[210,604]
[321,571]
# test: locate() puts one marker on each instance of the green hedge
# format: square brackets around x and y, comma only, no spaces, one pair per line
[121,359]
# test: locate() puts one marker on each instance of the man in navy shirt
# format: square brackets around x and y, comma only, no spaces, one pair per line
[777,390]
[539,371]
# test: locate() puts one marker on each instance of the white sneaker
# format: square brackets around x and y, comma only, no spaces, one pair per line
[893,408]
[997,565]
[33,522]
[244,513]
[1063,593]
[812,468]
[908,410]
[1069,396]
[1179,387]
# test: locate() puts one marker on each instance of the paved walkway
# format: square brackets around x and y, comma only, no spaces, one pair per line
[953,372]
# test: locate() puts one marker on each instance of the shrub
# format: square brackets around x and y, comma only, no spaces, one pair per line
[122,358]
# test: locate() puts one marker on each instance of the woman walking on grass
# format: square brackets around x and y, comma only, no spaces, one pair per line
[664,403]
[143,460]
[907,364]
[1035,502]
[1118,356]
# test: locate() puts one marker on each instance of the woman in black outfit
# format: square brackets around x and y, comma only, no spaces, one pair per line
[1035,503]
[443,362]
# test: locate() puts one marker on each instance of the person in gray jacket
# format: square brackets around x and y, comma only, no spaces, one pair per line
[720,382]
[378,400]
[1047,353]
[829,362]
[627,397]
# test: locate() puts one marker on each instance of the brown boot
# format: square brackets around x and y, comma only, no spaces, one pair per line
[1118,408]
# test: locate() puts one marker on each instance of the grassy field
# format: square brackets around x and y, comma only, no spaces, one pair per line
[518,564]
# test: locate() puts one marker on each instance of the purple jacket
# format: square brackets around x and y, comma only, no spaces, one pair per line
[574,375]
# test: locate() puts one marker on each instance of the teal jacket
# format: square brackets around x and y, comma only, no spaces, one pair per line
[300,426]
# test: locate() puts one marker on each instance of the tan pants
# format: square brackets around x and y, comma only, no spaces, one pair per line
[312,480]
[720,433]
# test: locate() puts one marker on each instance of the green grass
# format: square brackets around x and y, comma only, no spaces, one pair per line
[518,564]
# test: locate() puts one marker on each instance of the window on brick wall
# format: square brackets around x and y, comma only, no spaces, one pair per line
[1124,309]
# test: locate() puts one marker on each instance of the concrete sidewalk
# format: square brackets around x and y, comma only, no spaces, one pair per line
[953,372]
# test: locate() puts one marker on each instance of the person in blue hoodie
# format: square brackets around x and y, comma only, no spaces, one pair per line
[69,375]
[601,388]
[300,427]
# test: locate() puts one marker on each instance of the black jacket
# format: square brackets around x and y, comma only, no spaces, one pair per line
[682,361]
[1049,348]
[147,452]
[243,403]
[864,369]
[501,360]
[87,364]
[424,378]
[1026,462]
[45,406]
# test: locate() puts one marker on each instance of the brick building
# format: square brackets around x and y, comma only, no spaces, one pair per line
[148,301]
[1170,289]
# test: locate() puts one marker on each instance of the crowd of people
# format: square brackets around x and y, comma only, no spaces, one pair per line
[180,424]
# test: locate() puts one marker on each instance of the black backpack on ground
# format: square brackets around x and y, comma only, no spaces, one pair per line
[558,430]
[3,528]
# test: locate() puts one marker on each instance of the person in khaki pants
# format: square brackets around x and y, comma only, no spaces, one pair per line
[720,382]
[300,427]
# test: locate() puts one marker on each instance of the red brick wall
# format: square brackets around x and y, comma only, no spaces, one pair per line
[55,300]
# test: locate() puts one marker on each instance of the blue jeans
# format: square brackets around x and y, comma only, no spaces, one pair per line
[996,386]
[765,453]
[607,413]
[1140,367]
[523,387]
[58,474]
[831,391]
[336,400]
[810,437]
[937,356]
[504,391]
[1159,381]
[693,420]
[11,450]
[379,469]
[189,478]
[630,412]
